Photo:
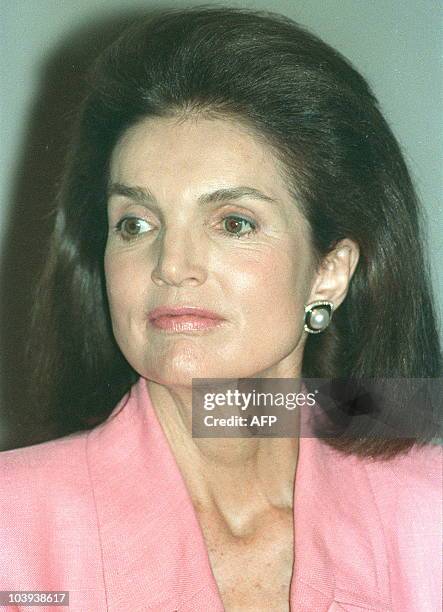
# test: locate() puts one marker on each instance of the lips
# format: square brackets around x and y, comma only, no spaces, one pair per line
[176,311]
[183,318]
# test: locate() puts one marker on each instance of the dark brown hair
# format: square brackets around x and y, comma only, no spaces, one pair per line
[342,162]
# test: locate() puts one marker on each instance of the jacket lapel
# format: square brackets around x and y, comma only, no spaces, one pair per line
[340,556]
[154,555]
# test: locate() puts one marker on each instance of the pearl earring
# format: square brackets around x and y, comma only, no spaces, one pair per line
[318,315]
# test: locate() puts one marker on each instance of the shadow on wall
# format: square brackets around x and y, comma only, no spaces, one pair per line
[26,242]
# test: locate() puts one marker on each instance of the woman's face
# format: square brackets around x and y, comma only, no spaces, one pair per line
[199,216]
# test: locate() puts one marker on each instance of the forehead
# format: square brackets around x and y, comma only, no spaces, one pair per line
[194,154]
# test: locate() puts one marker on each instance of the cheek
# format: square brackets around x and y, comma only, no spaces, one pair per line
[272,284]
[122,285]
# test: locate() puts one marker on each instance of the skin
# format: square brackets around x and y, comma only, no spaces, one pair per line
[184,253]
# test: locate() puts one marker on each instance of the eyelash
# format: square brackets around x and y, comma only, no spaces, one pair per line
[248,234]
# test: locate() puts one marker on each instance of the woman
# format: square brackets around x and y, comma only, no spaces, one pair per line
[234,206]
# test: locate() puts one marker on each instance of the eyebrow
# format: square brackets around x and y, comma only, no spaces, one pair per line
[142,195]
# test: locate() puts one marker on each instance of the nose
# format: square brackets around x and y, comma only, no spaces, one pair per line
[179,259]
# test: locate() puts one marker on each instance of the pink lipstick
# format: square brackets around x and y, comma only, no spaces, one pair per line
[183,319]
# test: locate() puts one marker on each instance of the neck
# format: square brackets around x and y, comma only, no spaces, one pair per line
[239,478]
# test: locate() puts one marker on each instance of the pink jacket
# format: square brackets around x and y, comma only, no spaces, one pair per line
[106,516]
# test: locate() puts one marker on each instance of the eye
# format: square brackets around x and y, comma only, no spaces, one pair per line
[131,227]
[237,226]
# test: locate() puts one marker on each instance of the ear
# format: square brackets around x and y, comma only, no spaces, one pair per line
[331,281]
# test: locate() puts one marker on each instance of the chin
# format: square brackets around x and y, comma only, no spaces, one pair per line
[179,372]
[174,376]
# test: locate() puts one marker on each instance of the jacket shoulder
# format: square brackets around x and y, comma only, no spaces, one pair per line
[407,492]
[45,466]
[408,477]
[48,526]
